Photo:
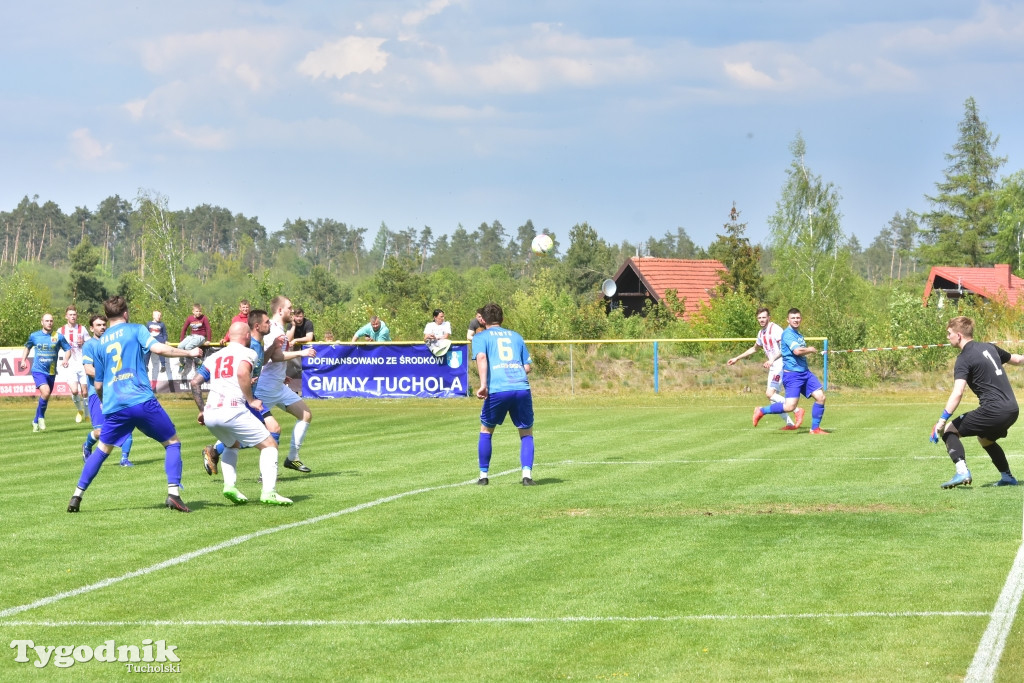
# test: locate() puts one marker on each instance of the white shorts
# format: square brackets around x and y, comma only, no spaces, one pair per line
[231,424]
[74,373]
[775,376]
[276,394]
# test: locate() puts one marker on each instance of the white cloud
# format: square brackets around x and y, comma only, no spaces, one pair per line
[417,17]
[90,153]
[249,57]
[350,55]
[745,74]
[201,137]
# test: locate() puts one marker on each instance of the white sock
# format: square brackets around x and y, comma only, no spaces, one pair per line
[79,492]
[483,475]
[228,464]
[268,468]
[298,435]
[173,490]
[961,467]
[527,473]
[78,401]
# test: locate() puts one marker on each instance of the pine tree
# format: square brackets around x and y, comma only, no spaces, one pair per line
[742,259]
[84,286]
[961,228]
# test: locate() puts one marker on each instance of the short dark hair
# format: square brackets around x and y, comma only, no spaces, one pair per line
[115,306]
[763,310]
[437,311]
[255,318]
[298,311]
[792,311]
[493,315]
[95,317]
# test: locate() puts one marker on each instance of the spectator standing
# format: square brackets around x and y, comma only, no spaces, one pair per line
[158,331]
[375,330]
[241,317]
[300,333]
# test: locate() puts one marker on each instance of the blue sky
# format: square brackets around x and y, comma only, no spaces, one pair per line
[638,117]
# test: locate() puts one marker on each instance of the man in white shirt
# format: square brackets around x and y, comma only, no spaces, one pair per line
[230,414]
[272,390]
[769,339]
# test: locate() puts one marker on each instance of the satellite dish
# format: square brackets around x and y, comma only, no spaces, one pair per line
[608,288]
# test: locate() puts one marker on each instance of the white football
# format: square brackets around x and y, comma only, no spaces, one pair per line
[542,244]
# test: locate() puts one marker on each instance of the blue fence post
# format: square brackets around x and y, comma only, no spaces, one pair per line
[824,372]
[655,367]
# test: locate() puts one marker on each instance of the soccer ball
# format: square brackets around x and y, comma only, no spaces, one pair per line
[542,244]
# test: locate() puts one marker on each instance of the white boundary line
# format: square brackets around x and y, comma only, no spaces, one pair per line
[495,620]
[231,542]
[990,650]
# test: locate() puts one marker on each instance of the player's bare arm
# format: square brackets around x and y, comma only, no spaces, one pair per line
[481,368]
[746,354]
[196,385]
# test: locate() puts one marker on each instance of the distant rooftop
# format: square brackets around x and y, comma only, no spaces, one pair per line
[996,283]
[640,279]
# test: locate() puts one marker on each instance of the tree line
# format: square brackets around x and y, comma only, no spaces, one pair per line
[341,273]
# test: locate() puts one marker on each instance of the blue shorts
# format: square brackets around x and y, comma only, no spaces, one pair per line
[148,417]
[798,383]
[96,417]
[517,404]
[41,378]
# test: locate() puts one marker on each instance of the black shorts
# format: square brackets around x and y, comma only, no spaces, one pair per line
[986,425]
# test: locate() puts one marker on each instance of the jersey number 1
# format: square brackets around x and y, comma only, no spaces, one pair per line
[999,370]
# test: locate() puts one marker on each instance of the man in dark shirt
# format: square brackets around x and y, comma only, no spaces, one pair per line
[300,333]
[980,367]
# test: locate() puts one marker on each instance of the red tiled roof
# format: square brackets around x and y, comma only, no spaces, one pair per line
[693,280]
[996,283]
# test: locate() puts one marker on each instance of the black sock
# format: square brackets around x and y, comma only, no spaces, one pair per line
[995,451]
[954,447]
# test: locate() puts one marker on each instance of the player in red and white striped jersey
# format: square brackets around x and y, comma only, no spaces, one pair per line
[769,339]
[76,335]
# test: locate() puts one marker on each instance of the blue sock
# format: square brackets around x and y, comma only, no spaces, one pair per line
[817,410]
[277,437]
[526,451]
[483,451]
[172,464]
[91,468]
[41,409]
[219,447]
[126,447]
[774,409]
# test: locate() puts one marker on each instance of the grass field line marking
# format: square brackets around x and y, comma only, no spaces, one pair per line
[986,658]
[494,620]
[701,461]
[231,542]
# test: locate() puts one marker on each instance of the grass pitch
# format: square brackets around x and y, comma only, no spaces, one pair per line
[667,540]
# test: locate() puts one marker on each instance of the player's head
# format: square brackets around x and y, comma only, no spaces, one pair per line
[794,317]
[116,307]
[961,326]
[438,316]
[281,306]
[375,323]
[259,321]
[239,333]
[47,322]
[493,315]
[763,316]
[71,314]
[97,325]
[243,307]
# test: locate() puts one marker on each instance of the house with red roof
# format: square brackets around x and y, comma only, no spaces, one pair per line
[640,280]
[994,284]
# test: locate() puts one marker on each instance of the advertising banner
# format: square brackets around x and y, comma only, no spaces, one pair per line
[17,381]
[370,371]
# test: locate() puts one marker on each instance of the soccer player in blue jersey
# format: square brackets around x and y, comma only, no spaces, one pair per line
[44,366]
[259,325]
[503,363]
[122,384]
[796,378]
[90,349]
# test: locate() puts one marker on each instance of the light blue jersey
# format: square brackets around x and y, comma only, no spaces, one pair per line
[506,356]
[47,345]
[121,367]
[90,349]
[791,341]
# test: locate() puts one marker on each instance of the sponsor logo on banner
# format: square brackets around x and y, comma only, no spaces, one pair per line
[17,381]
[388,371]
